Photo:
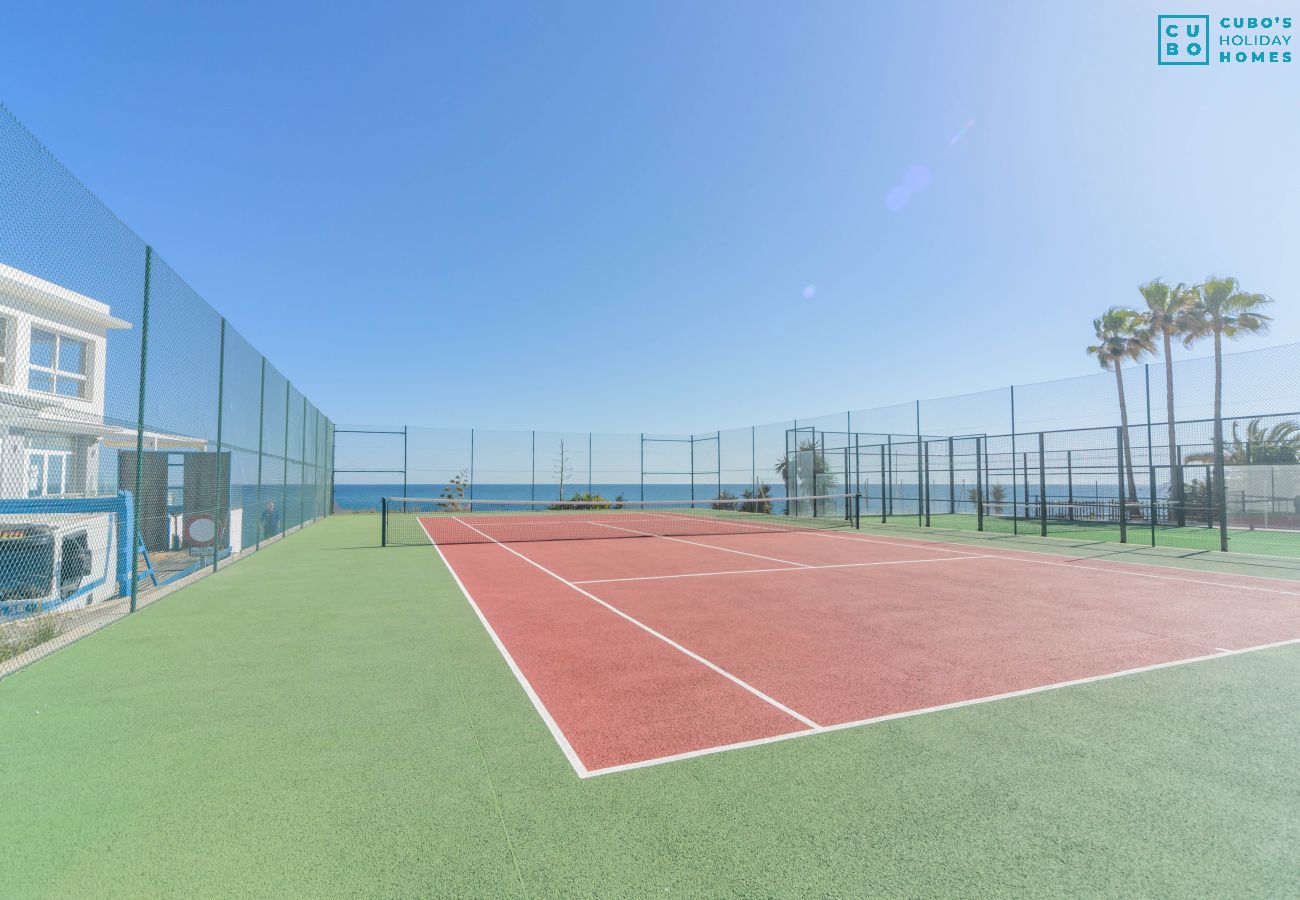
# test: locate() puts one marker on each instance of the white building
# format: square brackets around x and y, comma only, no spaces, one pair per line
[53,348]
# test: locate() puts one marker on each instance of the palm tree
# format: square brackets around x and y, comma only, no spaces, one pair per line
[1263,445]
[809,455]
[1167,315]
[1222,309]
[1123,334]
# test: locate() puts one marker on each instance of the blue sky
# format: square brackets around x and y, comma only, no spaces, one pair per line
[666,217]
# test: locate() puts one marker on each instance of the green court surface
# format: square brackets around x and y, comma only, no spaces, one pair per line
[1240,540]
[328,718]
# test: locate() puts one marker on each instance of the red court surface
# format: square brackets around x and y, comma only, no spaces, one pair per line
[644,650]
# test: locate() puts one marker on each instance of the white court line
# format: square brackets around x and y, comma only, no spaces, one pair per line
[890,562]
[708,751]
[813,728]
[542,711]
[646,628]
[1067,565]
[788,562]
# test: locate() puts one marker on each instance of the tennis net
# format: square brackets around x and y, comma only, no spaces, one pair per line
[443,520]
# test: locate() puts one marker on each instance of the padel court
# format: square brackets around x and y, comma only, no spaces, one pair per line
[642,651]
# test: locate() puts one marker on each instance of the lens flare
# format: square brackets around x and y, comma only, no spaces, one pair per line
[916,178]
[961,132]
[897,198]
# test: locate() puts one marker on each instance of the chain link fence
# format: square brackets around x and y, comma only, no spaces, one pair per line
[1051,459]
[143,441]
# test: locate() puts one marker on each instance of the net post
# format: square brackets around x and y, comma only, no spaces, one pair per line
[1042,486]
[979,488]
[857,511]
[1119,469]
[383,521]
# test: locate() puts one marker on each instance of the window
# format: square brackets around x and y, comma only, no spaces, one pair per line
[47,472]
[58,365]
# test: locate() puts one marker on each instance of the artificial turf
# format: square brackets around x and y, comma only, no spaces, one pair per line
[1139,533]
[327,718]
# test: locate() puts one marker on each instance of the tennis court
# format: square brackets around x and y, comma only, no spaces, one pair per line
[720,629]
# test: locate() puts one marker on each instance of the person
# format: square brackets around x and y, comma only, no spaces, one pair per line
[270,520]
[1296,501]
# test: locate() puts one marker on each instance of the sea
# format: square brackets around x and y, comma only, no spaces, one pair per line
[366,497]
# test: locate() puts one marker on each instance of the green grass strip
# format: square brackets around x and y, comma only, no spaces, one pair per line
[327,718]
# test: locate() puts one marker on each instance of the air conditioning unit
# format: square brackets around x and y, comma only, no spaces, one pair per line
[55,562]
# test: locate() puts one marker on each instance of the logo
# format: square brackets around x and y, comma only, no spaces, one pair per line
[1186,40]
[1183,40]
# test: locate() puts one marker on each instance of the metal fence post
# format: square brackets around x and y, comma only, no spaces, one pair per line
[261,432]
[1015,514]
[952,481]
[302,468]
[919,465]
[926,466]
[857,461]
[138,537]
[753,458]
[1069,484]
[1151,461]
[1042,486]
[284,482]
[979,488]
[1024,462]
[221,391]
[1123,497]
[471,465]
[887,501]
[884,484]
[1221,481]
